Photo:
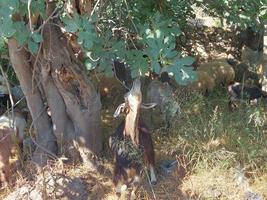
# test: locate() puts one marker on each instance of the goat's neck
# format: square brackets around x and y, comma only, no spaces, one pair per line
[131,126]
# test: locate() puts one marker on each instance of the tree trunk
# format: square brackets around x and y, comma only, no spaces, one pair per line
[81,101]
[70,94]
[75,124]
[45,137]
[62,125]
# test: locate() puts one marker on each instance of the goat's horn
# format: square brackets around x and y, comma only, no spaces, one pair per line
[118,110]
[148,105]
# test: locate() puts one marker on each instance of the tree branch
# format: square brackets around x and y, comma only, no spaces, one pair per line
[10,95]
[29,15]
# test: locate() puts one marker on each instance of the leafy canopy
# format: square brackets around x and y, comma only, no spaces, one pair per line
[142,34]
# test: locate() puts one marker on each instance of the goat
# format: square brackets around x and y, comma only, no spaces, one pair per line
[238,91]
[132,132]
[160,92]
[220,70]
[17,95]
[19,123]
[204,84]
[5,152]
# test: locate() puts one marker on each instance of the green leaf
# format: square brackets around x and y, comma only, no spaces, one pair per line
[158,33]
[137,62]
[105,67]
[72,24]
[11,5]
[4,14]
[37,37]
[89,64]
[185,61]
[153,49]
[38,7]
[85,39]
[22,33]
[86,24]
[135,72]
[2,42]
[24,1]
[149,33]
[175,31]
[156,66]
[118,48]
[71,27]
[94,17]
[7,28]
[33,47]
[183,75]
[88,44]
[171,54]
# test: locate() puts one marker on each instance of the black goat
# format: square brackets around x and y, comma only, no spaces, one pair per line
[131,142]
[238,91]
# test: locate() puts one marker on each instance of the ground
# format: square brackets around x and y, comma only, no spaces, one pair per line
[220,154]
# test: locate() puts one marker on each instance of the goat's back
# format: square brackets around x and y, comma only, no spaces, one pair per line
[157,91]
[19,123]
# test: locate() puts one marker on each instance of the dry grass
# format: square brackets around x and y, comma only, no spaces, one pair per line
[213,184]
[208,144]
[260,185]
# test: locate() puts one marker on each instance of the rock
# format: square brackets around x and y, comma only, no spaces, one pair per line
[249,195]
[54,186]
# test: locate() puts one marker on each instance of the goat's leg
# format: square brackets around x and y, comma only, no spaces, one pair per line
[153,178]
[5,176]
[121,188]
[136,183]
[150,159]
[120,181]
[149,155]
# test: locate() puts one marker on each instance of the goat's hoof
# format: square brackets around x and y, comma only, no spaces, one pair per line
[118,195]
[154,182]
[133,196]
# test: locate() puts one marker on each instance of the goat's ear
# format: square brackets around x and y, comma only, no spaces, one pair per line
[118,110]
[148,105]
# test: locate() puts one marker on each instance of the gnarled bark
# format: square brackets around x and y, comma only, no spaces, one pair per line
[45,137]
[62,126]
[71,84]
[75,122]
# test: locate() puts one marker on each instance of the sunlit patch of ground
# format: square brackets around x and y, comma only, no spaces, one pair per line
[214,184]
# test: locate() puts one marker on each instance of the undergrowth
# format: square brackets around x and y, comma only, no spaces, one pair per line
[209,135]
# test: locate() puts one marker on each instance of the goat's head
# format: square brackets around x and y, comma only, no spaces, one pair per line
[131,107]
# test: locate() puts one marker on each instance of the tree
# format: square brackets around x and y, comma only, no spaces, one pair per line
[53,44]
[49,72]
